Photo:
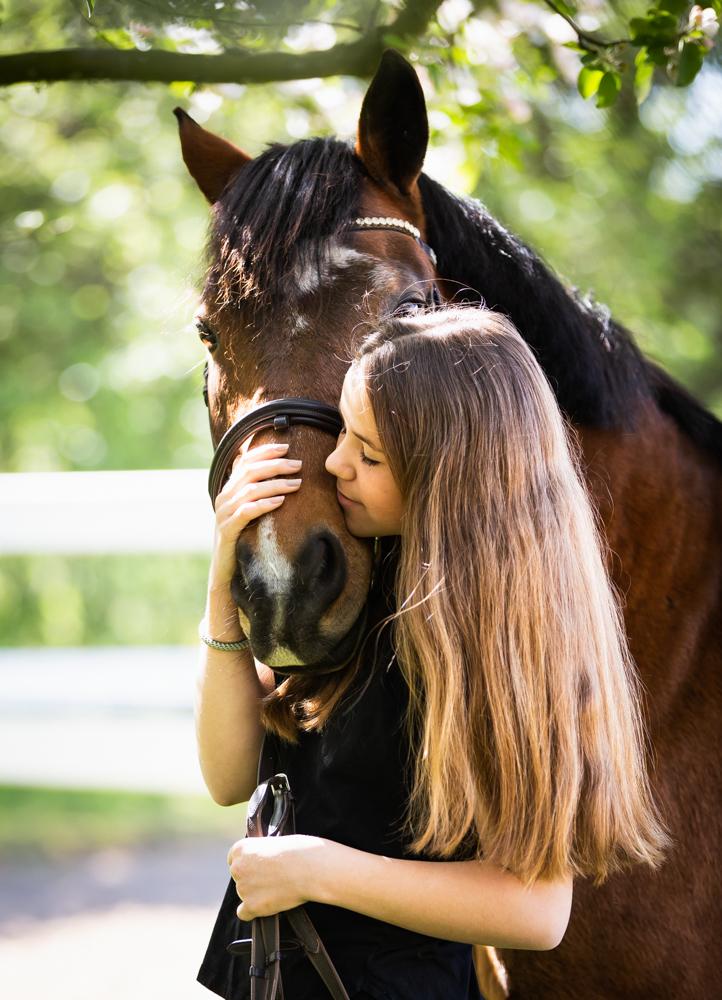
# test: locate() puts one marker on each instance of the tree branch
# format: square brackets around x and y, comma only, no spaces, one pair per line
[358,58]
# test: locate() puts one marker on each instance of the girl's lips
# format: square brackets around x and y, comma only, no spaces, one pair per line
[344,500]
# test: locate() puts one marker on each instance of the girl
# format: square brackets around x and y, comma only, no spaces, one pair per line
[450,786]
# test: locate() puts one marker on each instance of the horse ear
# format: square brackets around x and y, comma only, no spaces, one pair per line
[211,161]
[393,131]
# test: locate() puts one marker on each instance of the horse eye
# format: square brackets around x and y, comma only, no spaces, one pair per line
[208,337]
[408,307]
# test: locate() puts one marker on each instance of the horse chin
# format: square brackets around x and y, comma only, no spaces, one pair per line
[336,657]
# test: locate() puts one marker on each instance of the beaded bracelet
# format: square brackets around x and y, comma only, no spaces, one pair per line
[241,644]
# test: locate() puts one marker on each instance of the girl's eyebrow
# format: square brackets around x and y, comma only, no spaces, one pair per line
[375,447]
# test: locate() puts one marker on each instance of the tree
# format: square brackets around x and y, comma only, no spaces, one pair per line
[214,41]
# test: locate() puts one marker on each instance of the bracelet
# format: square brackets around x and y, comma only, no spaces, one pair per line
[224,646]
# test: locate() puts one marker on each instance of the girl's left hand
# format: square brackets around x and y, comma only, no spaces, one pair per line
[273,874]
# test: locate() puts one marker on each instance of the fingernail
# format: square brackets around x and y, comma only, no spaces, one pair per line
[280,447]
[277,500]
[295,461]
[295,481]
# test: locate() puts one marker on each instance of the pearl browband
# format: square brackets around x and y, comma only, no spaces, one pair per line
[400,225]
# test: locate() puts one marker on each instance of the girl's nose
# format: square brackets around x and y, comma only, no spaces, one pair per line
[336,466]
[332,464]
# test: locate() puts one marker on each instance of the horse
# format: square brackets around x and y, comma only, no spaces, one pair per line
[306,254]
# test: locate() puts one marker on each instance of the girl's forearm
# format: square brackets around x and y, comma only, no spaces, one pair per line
[229,690]
[469,901]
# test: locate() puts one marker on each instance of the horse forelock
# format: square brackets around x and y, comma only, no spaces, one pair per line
[277,221]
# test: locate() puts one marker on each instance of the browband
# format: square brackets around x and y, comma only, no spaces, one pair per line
[399,225]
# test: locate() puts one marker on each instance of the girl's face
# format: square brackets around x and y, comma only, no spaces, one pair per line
[371,500]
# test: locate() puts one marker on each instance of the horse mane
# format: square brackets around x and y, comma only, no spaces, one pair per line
[277,219]
[597,371]
[279,215]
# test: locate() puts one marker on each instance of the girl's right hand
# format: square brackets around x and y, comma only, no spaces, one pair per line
[249,492]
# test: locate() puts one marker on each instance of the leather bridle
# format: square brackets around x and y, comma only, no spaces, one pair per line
[282,414]
[290,411]
[277,415]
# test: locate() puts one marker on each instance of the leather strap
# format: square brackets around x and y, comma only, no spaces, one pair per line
[278,415]
[265,945]
[313,945]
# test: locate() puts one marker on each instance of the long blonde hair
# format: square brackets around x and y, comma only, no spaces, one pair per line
[525,723]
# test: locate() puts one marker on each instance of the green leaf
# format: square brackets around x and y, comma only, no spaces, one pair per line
[658,26]
[608,89]
[90,4]
[657,55]
[118,38]
[565,8]
[690,63]
[676,7]
[588,81]
[395,41]
[182,88]
[643,75]
[574,45]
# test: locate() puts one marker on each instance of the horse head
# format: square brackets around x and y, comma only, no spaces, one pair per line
[310,245]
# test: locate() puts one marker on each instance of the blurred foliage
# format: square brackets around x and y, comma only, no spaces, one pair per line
[673,37]
[56,823]
[53,600]
[101,234]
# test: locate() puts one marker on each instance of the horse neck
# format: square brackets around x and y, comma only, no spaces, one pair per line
[597,372]
[653,468]
[659,496]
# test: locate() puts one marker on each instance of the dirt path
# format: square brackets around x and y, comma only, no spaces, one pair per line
[114,925]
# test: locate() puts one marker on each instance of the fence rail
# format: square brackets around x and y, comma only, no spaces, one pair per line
[149,510]
[117,717]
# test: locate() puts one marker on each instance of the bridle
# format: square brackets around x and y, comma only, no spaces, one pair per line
[277,415]
[290,411]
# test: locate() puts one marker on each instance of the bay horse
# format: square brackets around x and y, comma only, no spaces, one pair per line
[290,285]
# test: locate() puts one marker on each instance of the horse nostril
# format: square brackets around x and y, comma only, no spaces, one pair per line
[321,569]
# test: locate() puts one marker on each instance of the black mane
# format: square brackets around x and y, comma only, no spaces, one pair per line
[598,372]
[284,209]
[278,216]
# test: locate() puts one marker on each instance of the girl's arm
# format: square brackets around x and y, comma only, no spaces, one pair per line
[231,685]
[229,689]
[471,901]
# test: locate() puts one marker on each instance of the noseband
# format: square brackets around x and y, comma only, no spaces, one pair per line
[278,415]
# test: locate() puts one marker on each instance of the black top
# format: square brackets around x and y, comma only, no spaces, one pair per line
[350,784]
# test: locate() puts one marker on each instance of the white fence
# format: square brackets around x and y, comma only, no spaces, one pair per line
[96,512]
[101,717]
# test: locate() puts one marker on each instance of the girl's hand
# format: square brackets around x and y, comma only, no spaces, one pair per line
[273,874]
[249,492]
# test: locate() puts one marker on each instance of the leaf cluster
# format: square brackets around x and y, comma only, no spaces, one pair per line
[666,39]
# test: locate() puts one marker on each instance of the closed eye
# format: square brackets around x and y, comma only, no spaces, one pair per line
[364,457]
